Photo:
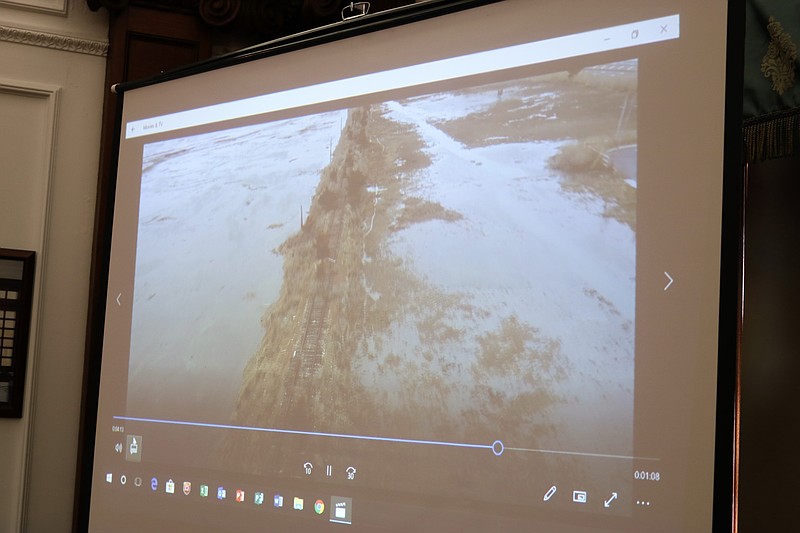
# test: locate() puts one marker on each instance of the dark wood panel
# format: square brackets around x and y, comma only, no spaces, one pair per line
[769,463]
[148,56]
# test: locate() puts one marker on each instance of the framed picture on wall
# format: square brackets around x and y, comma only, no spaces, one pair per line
[16,294]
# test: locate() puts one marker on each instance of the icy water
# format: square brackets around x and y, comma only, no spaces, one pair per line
[214,208]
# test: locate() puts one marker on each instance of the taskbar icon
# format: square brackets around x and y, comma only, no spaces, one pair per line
[341,510]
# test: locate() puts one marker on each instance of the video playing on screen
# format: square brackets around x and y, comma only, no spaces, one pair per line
[455,267]
[470,283]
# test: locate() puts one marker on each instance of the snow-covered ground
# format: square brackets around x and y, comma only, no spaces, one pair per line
[216,206]
[213,209]
[528,249]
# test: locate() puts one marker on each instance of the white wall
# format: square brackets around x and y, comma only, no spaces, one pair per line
[51,95]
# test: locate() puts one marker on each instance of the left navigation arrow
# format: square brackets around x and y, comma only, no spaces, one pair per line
[118,297]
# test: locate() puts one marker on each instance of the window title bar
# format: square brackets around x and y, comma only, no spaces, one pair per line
[575,45]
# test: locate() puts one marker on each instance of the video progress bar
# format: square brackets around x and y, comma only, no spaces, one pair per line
[497,447]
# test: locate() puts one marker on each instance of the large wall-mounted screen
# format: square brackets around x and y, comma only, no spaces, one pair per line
[460,273]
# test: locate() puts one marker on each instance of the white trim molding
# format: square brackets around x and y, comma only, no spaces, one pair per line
[53,41]
[51,95]
[51,7]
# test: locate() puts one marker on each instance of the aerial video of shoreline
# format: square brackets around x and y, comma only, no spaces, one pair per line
[456,266]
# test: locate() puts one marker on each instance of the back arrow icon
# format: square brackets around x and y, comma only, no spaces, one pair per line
[613,497]
[118,297]
[669,282]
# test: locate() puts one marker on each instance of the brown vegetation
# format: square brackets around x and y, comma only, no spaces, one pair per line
[461,384]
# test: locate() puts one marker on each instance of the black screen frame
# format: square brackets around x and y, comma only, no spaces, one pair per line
[730,304]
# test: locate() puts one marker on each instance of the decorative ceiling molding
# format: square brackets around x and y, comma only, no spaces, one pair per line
[53,41]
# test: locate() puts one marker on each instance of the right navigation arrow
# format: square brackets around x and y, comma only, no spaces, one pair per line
[669,282]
